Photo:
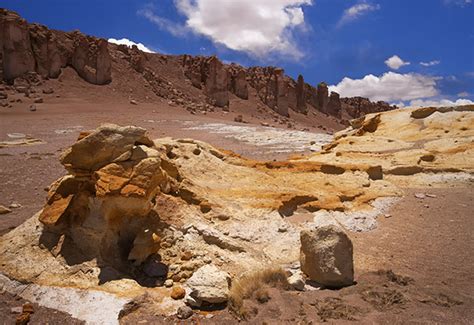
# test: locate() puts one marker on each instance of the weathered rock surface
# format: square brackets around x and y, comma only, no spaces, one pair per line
[133,213]
[15,45]
[34,48]
[334,104]
[326,256]
[297,281]
[208,285]
[217,83]
[359,106]
[239,85]
[4,210]
[300,95]
[322,97]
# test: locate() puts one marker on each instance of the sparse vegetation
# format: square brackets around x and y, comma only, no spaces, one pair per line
[335,308]
[384,299]
[396,278]
[254,286]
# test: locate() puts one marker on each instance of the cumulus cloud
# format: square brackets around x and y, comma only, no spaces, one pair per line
[257,27]
[439,102]
[389,87]
[395,62]
[129,43]
[357,11]
[430,63]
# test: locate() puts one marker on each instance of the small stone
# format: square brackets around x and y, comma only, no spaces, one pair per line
[38,100]
[177,293]
[169,283]
[297,281]
[387,215]
[239,118]
[133,102]
[4,210]
[28,308]
[48,91]
[420,196]
[15,205]
[16,310]
[184,312]
[23,319]
[154,268]
[33,108]
[283,228]
[223,217]
[433,196]
[186,256]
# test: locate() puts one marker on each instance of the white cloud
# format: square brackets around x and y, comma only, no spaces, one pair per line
[389,87]
[430,63]
[163,23]
[357,11]
[395,62]
[460,3]
[464,94]
[439,103]
[258,27]
[129,43]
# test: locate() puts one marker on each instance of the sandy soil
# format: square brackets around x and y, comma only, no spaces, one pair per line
[415,268]
[430,240]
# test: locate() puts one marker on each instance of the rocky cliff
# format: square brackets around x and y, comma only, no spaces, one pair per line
[32,52]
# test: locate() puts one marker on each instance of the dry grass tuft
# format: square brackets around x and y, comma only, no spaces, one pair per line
[254,286]
[335,308]
[396,278]
[384,299]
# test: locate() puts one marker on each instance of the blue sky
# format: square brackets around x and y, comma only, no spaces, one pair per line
[414,52]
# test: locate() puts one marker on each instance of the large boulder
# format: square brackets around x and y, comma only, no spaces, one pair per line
[107,144]
[326,256]
[208,285]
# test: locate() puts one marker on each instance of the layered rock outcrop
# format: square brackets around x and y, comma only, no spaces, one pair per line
[34,48]
[359,106]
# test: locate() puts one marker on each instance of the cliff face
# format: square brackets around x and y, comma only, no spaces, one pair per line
[34,48]
[32,51]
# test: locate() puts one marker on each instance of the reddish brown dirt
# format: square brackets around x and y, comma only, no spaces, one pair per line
[432,245]
[425,257]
